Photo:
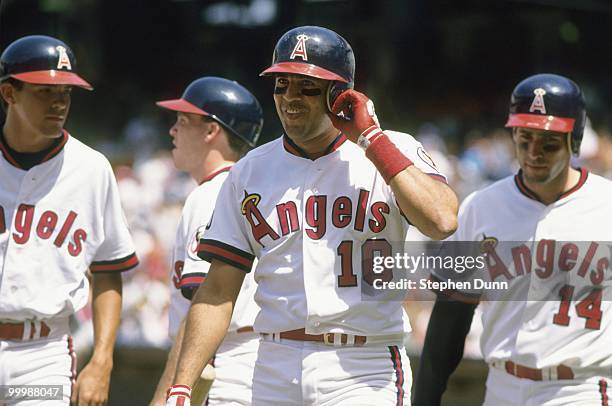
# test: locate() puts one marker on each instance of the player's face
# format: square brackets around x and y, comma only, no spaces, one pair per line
[542,155]
[301,107]
[41,109]
[188,134]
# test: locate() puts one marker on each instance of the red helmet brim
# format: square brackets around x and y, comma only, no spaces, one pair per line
[181,105]
[53,77]
[536,121]
[306,69]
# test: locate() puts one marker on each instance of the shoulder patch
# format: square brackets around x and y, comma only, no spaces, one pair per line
[426,158]
[488,244]
[252,197]
[192,251]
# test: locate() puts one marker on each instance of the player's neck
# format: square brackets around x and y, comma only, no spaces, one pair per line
[549,192]
[317,146]
[21,138]
[210,166]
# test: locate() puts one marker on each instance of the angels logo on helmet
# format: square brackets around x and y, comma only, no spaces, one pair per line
[538,101]
[63,61]
[300,48]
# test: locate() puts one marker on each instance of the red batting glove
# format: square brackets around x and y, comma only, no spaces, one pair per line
[362,126]
[178,395]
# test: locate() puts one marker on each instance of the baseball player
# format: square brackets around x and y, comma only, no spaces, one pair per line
[310,206]
[545,230]
[60,215]
[218,120]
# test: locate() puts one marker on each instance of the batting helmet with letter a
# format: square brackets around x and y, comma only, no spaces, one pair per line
[41,60]
[317,52]
[225,101]
[549,102]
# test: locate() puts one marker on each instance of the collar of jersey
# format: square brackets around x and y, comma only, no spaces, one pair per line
[215,173]
[56,149]
[520,184]
[293,149]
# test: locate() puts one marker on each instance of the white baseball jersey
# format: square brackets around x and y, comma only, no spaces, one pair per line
[309,223]
[189,270]
[58,219]
[545,252]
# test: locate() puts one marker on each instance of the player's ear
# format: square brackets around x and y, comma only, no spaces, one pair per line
[7,92]
[213,130]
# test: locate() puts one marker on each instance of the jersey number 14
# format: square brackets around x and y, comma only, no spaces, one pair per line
[589,308]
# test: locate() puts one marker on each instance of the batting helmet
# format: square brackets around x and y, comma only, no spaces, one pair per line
[549,102]
[225,101]
[317,52]
[41,60]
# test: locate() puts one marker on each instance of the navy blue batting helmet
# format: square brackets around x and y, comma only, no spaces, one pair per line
[317,52]
[41,60]
[225,101]
[549,102]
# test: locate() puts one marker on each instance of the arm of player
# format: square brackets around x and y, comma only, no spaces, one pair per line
[159,397]
[430,205]
[208,320]
[93,381]
[448,326]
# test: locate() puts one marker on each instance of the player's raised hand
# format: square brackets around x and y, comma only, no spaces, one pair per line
[360,109]
[179,395]
[92,384]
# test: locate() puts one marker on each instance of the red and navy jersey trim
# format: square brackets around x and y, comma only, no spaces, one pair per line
[215,173]
[396,358]
[192,280]
[520,184]
[518,180]
[584,174]
[603,391]
[116,265]
[190,283]
[73,365]
[4,148]
[57,148]
[213,249]
[7,155]
[293,148]
[438,177]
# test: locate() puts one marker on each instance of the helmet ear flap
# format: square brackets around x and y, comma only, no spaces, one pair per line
[334,90]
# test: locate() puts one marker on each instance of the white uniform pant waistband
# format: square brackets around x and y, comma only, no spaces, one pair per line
[551,373]
[339,339]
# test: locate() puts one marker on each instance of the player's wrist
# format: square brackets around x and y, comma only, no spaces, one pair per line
[178,391]
[102,360]
[383,153]
[368,136]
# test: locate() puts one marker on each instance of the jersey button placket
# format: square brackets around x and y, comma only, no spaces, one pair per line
[309,246]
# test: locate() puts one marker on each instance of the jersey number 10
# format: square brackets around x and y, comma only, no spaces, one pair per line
[347,277]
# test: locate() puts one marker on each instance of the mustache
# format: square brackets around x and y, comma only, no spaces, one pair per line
[295,105]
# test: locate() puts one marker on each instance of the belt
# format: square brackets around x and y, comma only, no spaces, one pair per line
[15,331]
[536,374]
[247,329]
[336,339]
